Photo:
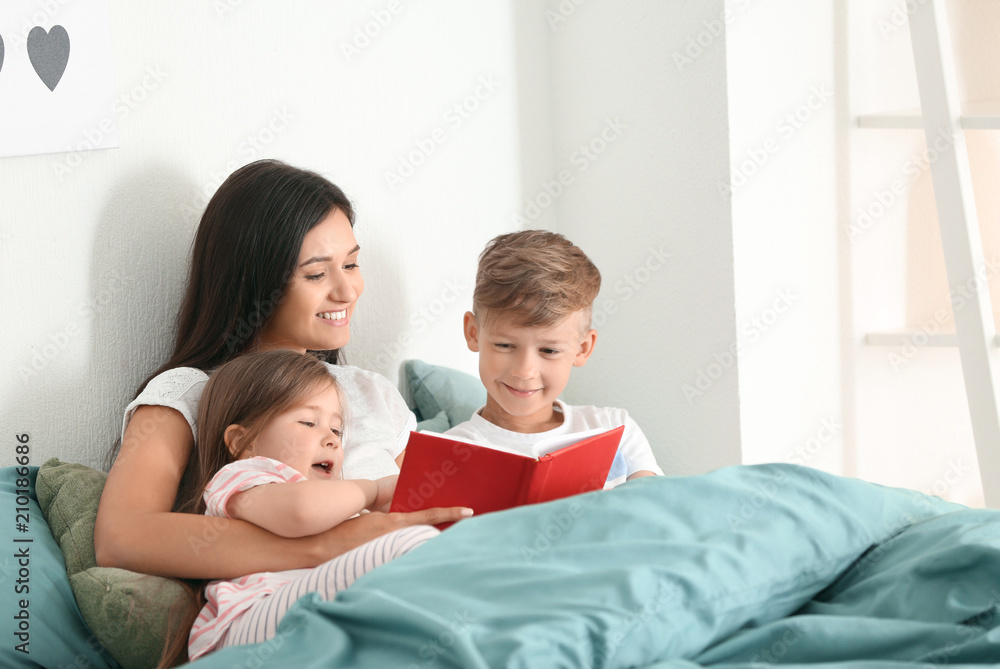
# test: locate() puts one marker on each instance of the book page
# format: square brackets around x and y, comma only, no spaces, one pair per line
[553,444]
[486,444]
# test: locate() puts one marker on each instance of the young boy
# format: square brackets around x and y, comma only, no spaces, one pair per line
[530,325]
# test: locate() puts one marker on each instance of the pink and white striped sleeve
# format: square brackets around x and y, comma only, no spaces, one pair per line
[242,475]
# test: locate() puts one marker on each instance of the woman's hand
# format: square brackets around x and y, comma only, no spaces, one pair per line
[356,531]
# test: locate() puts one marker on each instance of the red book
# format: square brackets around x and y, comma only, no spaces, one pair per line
[439,471]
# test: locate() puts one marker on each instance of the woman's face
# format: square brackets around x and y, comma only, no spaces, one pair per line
[316,311]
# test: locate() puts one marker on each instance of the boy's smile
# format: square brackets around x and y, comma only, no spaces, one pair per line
[525,368]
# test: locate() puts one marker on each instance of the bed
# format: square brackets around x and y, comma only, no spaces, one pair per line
[741,567]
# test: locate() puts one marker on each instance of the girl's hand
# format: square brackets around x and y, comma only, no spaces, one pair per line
[386,486]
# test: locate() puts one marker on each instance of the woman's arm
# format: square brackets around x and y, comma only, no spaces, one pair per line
[136,530]
[303,508]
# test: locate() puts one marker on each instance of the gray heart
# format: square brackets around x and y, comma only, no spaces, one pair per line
[49,53]
[1,53]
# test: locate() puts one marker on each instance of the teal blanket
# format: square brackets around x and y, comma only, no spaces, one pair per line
[745,566]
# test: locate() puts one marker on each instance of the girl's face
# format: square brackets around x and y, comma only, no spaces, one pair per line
[318,304]
[306,437]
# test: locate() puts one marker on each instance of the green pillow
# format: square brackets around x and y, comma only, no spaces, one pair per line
[55,633]
[433,388]
[68,495]
[128,612]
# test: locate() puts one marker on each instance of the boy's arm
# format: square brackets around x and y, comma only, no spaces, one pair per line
[304,508]
[637,452]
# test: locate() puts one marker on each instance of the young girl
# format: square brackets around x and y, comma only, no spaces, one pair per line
[276,417]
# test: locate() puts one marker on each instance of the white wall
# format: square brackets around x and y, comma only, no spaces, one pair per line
[642,203]
[93,262]
[783,101]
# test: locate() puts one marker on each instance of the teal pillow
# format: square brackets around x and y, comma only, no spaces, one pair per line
[433,389]
[437,424]
[52,627]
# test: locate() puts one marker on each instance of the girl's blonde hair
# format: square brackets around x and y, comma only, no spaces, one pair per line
[249,391]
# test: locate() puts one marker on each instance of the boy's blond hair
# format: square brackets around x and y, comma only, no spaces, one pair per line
[536,277]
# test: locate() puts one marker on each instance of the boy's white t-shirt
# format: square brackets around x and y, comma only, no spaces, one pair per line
[377,421]
[634,453]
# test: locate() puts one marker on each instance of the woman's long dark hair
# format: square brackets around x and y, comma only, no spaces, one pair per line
[245,253]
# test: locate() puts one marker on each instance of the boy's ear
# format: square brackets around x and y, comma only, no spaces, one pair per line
[234,437]
[586,348]
[471,331]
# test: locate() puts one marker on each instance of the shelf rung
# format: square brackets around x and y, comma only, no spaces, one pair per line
[915,337]
[980,115]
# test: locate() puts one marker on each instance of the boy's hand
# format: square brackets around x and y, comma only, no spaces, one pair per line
[386,487]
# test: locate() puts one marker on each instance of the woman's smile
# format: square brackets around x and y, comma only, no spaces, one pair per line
[334,318]
[315,311]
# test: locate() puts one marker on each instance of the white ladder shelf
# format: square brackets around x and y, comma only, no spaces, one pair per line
[960,238]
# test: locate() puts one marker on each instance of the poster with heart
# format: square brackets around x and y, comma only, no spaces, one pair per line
[57,86]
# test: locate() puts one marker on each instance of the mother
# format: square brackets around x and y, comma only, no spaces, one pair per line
[275,265]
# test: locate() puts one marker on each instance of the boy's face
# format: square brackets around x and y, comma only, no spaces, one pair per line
[525,369]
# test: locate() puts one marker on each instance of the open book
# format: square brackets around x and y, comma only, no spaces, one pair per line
[439,471]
